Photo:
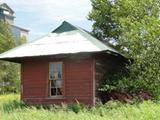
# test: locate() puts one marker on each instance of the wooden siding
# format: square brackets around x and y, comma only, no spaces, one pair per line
[77,81]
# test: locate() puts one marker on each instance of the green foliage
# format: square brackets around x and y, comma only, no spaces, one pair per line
[105,27]
[76,107]
[9,72]
[10,106]
[9,77]
[6,39]
[110,82]
[136,31]
[112,110]
[20,41]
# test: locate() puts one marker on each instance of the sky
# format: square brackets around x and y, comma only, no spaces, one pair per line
[43,16]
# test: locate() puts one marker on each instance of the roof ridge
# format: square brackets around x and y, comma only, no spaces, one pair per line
[65,26]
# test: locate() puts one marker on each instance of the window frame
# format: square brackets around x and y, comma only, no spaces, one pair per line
[49,84]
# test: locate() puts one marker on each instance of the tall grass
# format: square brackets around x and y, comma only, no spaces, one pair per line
[12,109]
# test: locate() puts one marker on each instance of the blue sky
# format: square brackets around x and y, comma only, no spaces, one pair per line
[43,16]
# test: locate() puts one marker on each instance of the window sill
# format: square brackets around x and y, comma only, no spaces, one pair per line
[56,97]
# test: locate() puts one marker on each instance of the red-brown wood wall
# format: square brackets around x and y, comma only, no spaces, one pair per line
[78,82]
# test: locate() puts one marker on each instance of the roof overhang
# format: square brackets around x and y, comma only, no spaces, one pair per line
[80,55]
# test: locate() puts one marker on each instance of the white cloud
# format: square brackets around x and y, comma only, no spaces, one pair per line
[38,13]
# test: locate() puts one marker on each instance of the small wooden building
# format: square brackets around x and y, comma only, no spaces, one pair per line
[64,66]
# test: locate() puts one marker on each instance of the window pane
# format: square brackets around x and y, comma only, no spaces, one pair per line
[55,74]
[53,91]
[55,71]
[59,70]
[59,67]
[59,75]
[52,67]
[51,71]
[53,83]
[59,91]
[58,83]
[51,75]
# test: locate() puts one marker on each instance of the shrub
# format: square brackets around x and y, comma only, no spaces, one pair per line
[76,107]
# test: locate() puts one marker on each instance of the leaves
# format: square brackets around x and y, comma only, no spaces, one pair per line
[137,33]
[9,72]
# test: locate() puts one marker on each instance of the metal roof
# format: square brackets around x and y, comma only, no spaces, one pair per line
[66,39]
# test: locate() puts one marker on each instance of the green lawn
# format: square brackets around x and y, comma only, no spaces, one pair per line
[12,109]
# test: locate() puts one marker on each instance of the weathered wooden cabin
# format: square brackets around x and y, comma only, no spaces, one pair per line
[64,66]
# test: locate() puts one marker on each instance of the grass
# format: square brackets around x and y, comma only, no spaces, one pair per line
[12,109]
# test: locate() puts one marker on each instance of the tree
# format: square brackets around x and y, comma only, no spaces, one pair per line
[9,72]
[6,39]
[136,29]
[20,40]
[105,27]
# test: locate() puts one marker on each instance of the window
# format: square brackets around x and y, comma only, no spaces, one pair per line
[55,79]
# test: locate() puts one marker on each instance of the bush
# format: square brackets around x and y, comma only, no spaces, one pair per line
[76,107]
